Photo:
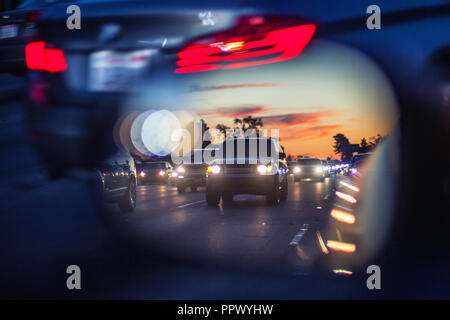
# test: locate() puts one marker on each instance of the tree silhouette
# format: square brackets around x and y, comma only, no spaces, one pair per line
[340,143]
[223,129]
[247,123]
[363,146]
[207,137]
[374,141]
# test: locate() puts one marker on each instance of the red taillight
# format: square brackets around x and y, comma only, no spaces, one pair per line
[38,57]
[255,41]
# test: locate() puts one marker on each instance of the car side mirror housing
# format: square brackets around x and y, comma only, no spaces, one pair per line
[282,155]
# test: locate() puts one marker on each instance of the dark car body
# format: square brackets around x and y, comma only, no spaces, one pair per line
[309,168]
[326,167]
[72,108]
[17,28]
[118,180]
[241,175]
[154,171]
[356,162]
[192,175]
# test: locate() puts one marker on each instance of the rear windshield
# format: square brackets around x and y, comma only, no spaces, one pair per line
[309,162]
[249,148]
[154,165]
[360,158]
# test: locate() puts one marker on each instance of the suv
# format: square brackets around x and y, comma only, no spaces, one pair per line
[309,168]
[149,172]
[246,173]
[356,162]
[191,176]
[118,180]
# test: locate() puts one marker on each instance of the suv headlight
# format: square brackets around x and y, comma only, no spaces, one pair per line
[297,169]
[263,169]
[214,169]
[319,169]
[180,169]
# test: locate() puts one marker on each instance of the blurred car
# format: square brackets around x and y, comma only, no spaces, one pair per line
[232,175]
[17,28]
[191,175]
[356,162]
[291,165]
[309,168]
[334,166]
[78,79]
[118,180]
[326,168]
[154,171]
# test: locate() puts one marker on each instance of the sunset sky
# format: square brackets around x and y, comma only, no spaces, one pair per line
[329,89]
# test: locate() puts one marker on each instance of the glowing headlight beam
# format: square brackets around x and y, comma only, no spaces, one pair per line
[346,197]
[342,271]
[180,169]
[341,246]
[343,216]
[348,185]
[214,169]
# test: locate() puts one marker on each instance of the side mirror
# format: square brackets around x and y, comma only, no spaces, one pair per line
[282,155]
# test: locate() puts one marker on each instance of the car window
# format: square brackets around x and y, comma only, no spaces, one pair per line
[156,165]
[308,162]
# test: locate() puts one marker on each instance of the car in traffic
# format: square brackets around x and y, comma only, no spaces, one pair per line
[118,181]
[191,175]
[252,174]
[154,171]
[309,168]
[356,162]
[17,28]
[78,80]
[291,165]
[326,168]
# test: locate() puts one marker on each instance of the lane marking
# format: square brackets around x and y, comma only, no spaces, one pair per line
[296,239]
[190,204]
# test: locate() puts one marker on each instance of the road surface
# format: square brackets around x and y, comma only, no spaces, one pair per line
[246,233]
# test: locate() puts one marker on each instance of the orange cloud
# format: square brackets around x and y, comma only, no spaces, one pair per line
[294,119]
[308,133]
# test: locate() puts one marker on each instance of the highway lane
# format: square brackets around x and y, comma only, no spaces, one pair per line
[246,233]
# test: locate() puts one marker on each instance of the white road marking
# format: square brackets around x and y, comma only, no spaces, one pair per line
[299,235]
[190,204]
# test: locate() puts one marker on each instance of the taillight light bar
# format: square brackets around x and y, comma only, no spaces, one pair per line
[39,57]
[253,41]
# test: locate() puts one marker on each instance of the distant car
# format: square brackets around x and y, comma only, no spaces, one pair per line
[356,162]
[250,174]
[335,166]
[154,171]
[191,176]
[291,165]
[309,168]
[17,28]
[118,180]
[326,168]
[80,78]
